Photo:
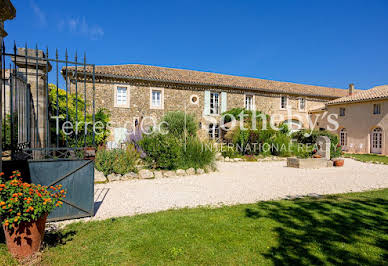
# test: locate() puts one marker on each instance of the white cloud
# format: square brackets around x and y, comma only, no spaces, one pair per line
[38,13]
[80,26]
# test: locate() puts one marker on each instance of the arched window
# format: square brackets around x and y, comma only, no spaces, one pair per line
[343,137]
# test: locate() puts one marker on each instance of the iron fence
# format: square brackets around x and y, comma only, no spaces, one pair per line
[37,101]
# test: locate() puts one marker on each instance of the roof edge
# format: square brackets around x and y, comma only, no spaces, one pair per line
[204,84]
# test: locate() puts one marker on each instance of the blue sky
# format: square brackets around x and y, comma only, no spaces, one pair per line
[328,43]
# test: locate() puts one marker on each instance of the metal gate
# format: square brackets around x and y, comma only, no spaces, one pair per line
[39,95]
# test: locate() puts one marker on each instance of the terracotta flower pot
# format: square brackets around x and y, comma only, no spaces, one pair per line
[339,162]
[25,239]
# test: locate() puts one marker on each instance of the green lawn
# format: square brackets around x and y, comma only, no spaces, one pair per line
[368,157]
[342,229]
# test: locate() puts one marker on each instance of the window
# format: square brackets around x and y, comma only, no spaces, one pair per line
[122,96]
[343,137]
[283,102]
[377,109]
[302,104]
[214,131]
[377,140]
[214,103]
[194,99]
[342,111]
[249,102]
[156,98]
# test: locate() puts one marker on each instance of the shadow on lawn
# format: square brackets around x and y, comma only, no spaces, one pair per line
[59,237]
[308,227]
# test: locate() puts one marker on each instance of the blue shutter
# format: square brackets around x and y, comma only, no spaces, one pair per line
[224,100]
[206,103]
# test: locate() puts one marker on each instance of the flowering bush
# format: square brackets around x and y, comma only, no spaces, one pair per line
[20,201]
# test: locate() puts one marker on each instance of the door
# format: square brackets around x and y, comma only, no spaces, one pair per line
[377,140]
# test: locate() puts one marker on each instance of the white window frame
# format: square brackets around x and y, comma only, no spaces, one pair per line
[299,104]
[161,106]
[344,111]
[127,103]
[212,101]
[192,99]
[378,107]
[286,103]
[252,106]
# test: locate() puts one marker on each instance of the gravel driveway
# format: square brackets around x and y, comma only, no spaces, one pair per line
[233,183]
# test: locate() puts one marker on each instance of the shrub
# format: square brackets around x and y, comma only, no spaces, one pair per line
[26,202]
[117,161]
[281,145]
[307,137]
[197,154]
[163,151]
[230,152]
[178,122]
[301,150]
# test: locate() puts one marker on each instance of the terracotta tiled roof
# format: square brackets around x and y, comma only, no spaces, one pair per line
[165,74]
[376,93]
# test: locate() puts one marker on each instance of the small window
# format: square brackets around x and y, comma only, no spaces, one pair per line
[302,104]
[342,111]
[156,98]
[194,99]
[214,131]
[249,102]
[214,103]
[283,102]
[377,109]
[122,99]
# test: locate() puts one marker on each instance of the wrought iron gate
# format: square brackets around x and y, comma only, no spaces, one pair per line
[34,110]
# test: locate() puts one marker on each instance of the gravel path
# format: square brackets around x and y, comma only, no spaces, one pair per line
[233,183]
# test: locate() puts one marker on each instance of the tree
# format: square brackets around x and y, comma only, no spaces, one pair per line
[72,109]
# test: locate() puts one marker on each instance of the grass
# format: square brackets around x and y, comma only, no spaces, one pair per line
[346,229]
[372,158]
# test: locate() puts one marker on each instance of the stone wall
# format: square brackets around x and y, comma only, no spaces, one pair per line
[177,97]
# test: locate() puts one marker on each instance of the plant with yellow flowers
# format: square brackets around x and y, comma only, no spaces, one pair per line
[21,201]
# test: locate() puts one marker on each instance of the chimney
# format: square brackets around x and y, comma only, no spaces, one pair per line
[351,89]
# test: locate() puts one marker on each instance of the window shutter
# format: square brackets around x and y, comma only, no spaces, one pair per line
[224,100]
[206,103]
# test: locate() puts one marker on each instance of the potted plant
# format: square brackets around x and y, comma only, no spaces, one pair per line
[335,156]
[23,211]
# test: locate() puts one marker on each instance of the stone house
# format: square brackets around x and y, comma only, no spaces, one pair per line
[362,119]
[133,92]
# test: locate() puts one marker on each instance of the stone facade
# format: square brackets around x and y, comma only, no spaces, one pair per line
[178,97]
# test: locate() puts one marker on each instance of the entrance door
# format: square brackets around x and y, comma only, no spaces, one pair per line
[377,140]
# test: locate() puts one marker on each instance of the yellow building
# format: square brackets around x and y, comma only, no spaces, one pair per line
[362,120]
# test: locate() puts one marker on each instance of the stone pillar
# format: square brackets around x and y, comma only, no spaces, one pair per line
[37,72]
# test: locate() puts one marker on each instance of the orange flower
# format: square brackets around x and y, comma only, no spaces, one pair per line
[4,207]
[16,219]
[2,173]
[2,203]
[19,214]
